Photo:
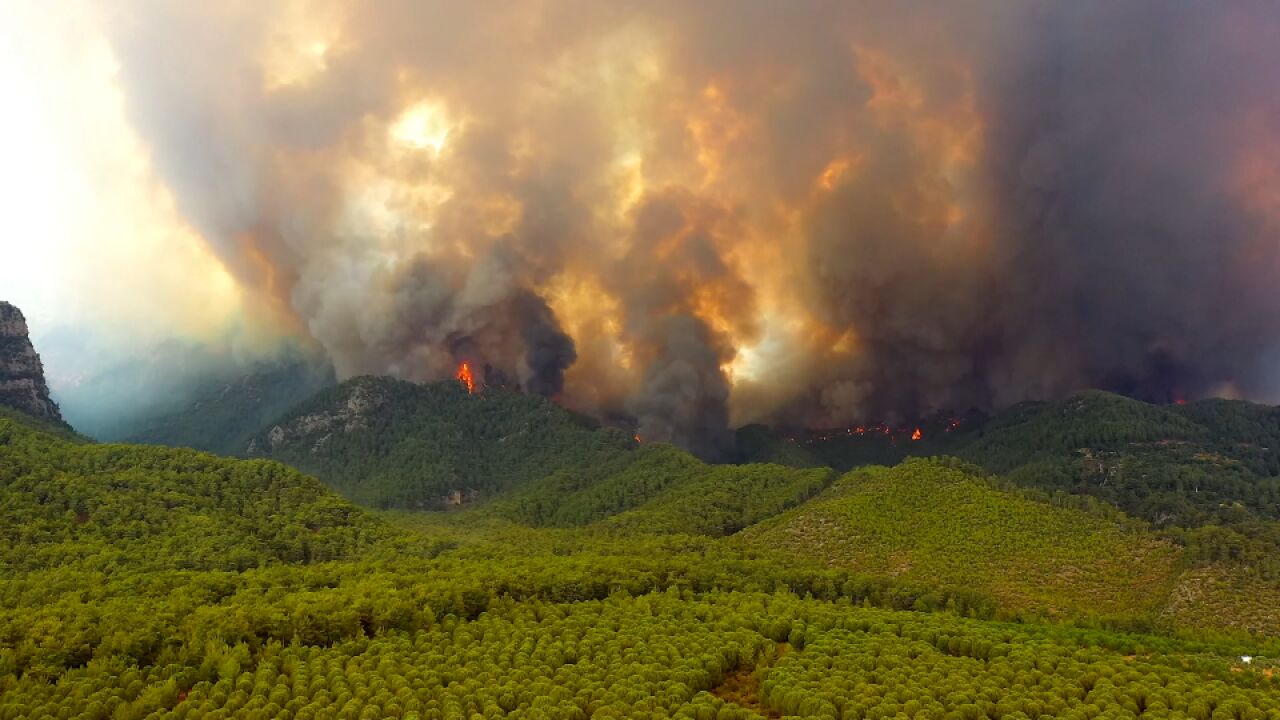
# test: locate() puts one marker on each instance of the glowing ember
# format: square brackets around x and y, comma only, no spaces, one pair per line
[464,377]
[917,435]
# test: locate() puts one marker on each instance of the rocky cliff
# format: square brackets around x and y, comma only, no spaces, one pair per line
[22,384]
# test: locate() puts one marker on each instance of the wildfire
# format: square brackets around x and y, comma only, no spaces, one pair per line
[464,377]
[917,435]
[637,437]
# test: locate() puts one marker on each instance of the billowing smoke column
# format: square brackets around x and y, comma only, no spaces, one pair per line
[738,209]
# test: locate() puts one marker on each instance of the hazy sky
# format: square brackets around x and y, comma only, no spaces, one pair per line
[91,234]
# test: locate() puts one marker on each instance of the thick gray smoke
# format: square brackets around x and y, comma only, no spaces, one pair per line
[1123,250]
[810,213]
[1133,252]
[548,351]
[684,393]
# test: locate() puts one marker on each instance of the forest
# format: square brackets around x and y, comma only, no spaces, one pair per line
[629,580]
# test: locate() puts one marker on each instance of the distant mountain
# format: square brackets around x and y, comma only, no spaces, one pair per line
[1203,462]
[111,395]
[222,416]
[22,382]
[184,393]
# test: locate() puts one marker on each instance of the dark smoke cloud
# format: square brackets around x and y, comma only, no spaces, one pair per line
[1115,250]
[548,351]
[877,210]
[684,395]
[1128,246]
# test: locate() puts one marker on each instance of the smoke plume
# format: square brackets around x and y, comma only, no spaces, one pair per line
[737,210]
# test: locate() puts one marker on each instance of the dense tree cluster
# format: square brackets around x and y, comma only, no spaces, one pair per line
[659,488]
[663,655]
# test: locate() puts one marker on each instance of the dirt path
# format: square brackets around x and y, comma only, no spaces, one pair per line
[742,688]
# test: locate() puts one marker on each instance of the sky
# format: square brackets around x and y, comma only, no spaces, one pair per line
[92,236]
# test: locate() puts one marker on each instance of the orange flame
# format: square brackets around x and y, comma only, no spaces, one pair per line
[917,435]
[464,377]
[637,437]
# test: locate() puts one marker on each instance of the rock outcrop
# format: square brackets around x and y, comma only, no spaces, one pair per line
[22,384]
[358,399]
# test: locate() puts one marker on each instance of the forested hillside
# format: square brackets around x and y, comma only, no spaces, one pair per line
[1199,474]
[1206,474]
[658,488]
[390,443]
[141,582]
[941,524]
[394,444]
[758,443]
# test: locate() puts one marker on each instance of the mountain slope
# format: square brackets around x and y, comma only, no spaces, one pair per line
[759,444]
[391,443]
[935,522]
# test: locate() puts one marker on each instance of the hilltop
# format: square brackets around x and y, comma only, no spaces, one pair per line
[392,443]
[943,524]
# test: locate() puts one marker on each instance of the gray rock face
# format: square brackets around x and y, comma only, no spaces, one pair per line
[363,398]
[22,383]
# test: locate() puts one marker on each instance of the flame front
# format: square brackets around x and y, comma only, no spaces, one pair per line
[464,377]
